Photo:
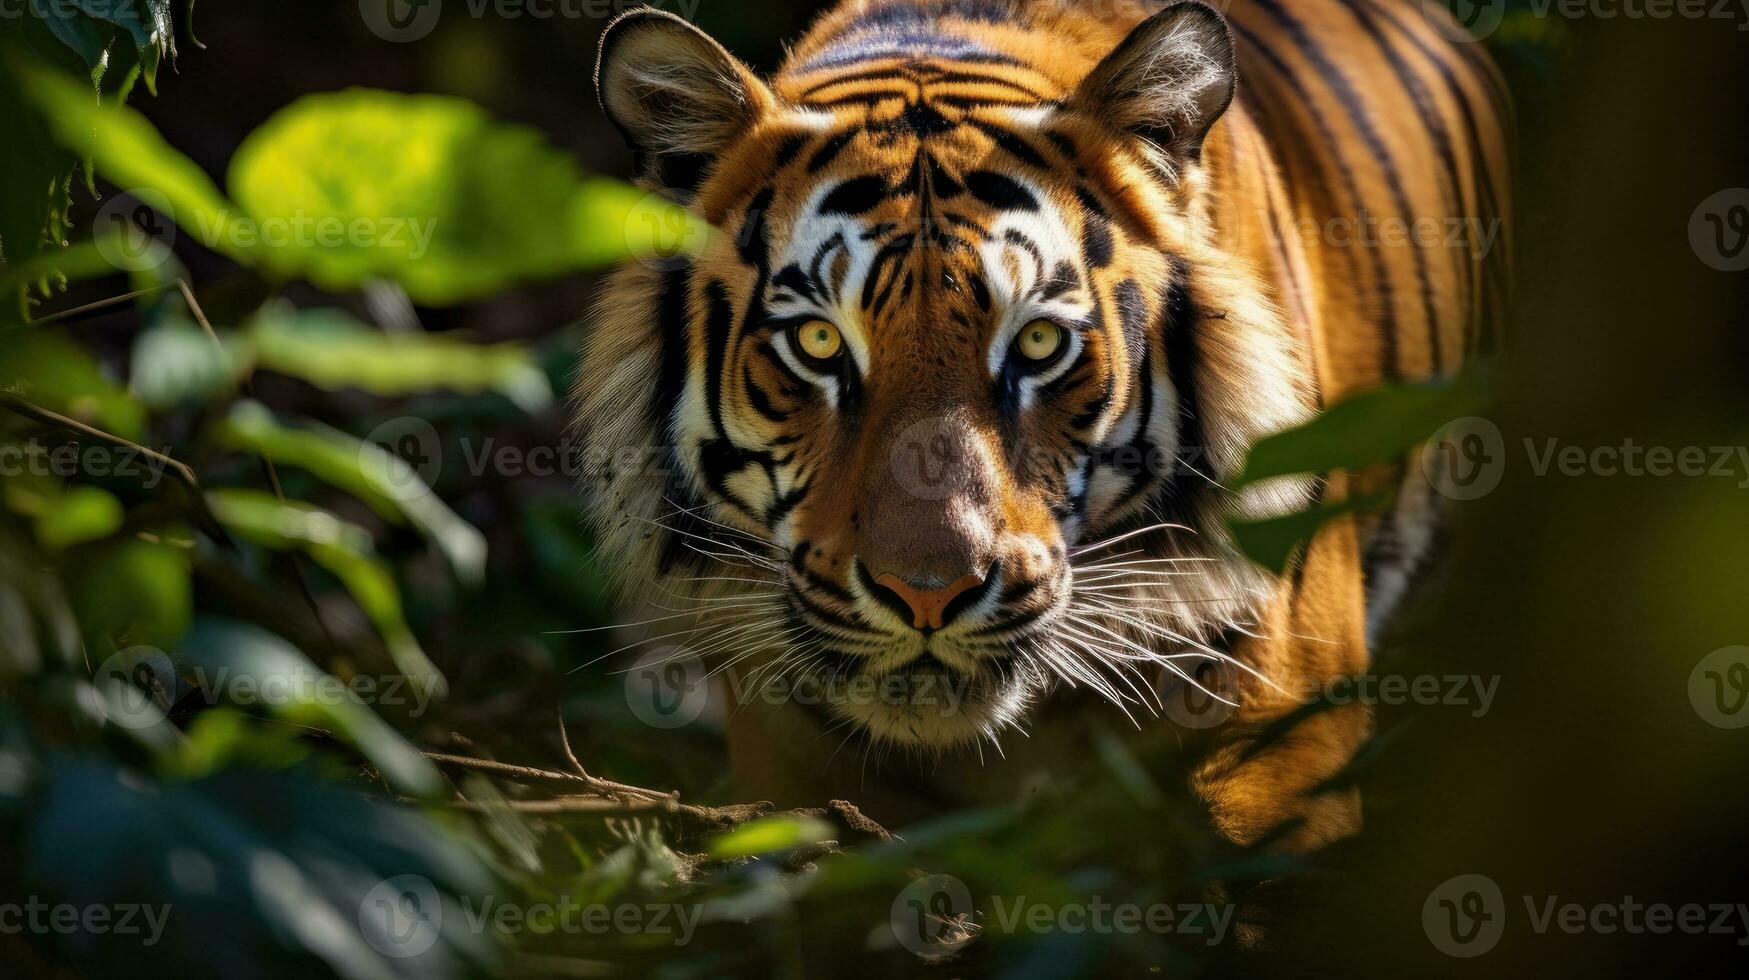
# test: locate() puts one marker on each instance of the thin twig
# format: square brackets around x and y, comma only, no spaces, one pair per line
[36,412]
[309,595]
[604,797]
[99,304]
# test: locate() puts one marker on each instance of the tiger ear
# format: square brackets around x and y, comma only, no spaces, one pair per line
[672,90]
[1168,81]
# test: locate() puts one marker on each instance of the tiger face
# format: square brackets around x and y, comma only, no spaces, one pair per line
[938,380]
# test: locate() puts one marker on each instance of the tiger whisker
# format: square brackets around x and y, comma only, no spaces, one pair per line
[1108,542]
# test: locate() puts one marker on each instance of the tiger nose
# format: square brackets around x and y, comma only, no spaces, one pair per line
[930,608]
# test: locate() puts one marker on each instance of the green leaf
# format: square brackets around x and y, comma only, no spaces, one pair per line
[287,868]
[179,363]
[346,551]
[81,514]
[221,738]
[367,471]
[769,834]
[34,171]
[147,22]
[83,34]
[1271,542]
[132,593]
[128,151]
[332,351]
[277,676]
[432,193]
[51,372]
[1371,427]
[75,263]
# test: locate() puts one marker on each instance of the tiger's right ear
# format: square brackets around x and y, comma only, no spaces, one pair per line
[673,91]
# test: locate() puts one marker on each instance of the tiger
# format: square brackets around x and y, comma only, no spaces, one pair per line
[934,434]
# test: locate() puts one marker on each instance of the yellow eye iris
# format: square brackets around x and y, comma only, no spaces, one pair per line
[1040,340]
[819,340]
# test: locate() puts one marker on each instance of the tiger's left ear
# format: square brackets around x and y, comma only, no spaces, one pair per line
[1168,81]
[672,90]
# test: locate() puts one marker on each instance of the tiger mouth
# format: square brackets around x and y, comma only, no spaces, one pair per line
[925,702]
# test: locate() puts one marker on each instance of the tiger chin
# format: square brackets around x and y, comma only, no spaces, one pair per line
[927,445]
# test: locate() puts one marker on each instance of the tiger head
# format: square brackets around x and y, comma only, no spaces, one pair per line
[957,378]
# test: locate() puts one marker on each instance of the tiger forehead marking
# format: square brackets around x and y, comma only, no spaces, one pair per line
[930,241]
[998,298]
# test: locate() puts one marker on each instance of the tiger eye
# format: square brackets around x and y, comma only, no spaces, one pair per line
[819,340]
[1040,340]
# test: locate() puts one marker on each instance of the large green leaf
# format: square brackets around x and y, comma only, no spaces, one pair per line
[58,267]
[248,873]
[178,362]
[86,35]
[1371,427]
[145,22]
[1271,542]
[128,151]
[52,372]
[331,350]
[81,514]
[240,662]
[381,479]
[343,549]
[131,592]
[431,192]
